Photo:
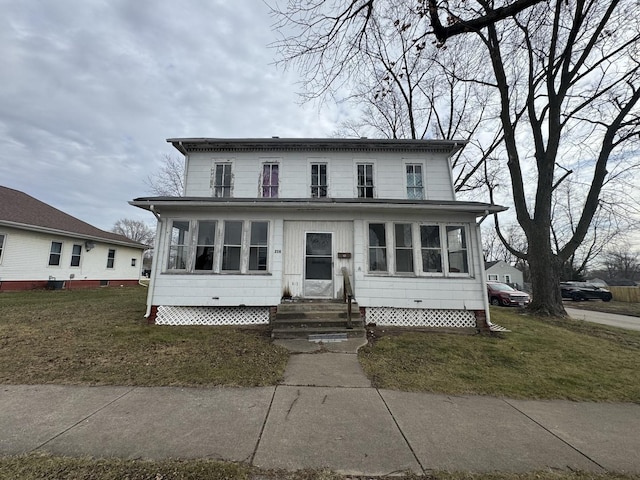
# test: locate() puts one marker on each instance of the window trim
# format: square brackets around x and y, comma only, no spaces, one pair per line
[74,255]
[319,162]
[406,165]
[411,248]
[271,186]
[374,190]
[387,270]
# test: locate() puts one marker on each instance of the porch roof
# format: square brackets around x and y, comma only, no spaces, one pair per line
[160,204]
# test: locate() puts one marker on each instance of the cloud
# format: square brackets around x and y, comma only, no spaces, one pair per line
[89,91]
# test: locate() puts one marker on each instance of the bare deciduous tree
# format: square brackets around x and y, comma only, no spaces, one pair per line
[135,230]
[169,180]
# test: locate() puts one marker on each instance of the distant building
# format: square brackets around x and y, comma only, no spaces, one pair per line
[43,247]
[501,271]
[269,219]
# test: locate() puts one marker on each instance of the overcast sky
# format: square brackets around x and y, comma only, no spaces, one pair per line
[91,89]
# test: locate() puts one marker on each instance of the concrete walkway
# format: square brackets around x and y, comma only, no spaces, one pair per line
[610,319]
[325,414]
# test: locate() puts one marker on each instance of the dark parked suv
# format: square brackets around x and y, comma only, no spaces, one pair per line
[579,291]
[505,295]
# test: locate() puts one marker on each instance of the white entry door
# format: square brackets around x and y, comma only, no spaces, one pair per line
[318,265]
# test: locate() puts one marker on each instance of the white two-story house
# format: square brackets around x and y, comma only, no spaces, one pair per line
[267,219]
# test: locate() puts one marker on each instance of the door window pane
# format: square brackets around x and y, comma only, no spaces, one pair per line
[206,245]
[258,256]
[404,248]
[377,248]
[232,248]
[319,257]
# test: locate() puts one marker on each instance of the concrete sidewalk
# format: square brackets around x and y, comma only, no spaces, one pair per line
[325,414]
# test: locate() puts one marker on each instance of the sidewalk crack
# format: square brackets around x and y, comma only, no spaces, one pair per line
[264,424]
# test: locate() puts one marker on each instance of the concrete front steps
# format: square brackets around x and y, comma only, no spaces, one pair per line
[317,320]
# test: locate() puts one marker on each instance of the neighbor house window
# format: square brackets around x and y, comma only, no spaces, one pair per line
[133,262]
[2,237]
[111,258]
[270,180]
[415,190]
[457,249]
[365,180]
[205,245]
[404,248]
[377,248]
[232,246]
[76,253]
[492,277]
[319,185]
[222,180]
[179,245]
[55,253]
[431,249]
[258,246]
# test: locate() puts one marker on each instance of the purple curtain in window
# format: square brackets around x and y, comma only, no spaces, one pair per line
[270,180]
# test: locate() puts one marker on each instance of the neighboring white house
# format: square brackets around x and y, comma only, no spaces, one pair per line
[501,271]
[267,219]
[43,247]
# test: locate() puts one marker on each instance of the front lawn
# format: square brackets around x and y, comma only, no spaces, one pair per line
[99,337]
[560,359]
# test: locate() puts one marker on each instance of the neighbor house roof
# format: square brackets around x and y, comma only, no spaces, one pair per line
[22,211]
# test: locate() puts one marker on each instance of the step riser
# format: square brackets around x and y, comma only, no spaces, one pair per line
[304,333]
[301,319]
[312,324]
[314,315]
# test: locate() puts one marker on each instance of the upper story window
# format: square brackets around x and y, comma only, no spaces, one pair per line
[222,179]
[415,188]
[270,180]
[365,180]
[111,258]
[76,253]
[319,184]
[2,237]
[55,253]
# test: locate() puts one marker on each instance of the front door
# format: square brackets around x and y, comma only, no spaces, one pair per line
[318,265]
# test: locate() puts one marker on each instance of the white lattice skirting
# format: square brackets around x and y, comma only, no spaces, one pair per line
[416,317]
[168,315]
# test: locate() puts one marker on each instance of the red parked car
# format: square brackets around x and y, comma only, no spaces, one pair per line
[505,295]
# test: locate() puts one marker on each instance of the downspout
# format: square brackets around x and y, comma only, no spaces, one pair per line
[153,263]
[482,270]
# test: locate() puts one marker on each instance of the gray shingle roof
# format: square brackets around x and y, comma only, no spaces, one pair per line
[19,210]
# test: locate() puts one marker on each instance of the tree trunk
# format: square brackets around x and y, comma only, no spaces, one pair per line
[545,275]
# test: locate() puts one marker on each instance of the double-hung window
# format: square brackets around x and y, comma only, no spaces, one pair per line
[457,249]
[319,184]
[205,245]
[365,180]
[222,179]
[111,258]
[2,237]
[270,180]
[404,248]
[415,189]
[232,246]
[55,253]
[377,247]
[179,245]
[431,248]
[76,253]
[258,246]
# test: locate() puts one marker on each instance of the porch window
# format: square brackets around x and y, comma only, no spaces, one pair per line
[258,251]
[232,247]
[55,253]
[415,189]
[404,248]
[431,249]
[76,253]
[222,180]
[179,245]
[377,248]
[2,237]
[206,245]
[319,185]
[111,258]
[457,249]
[270,180]
[365,180]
